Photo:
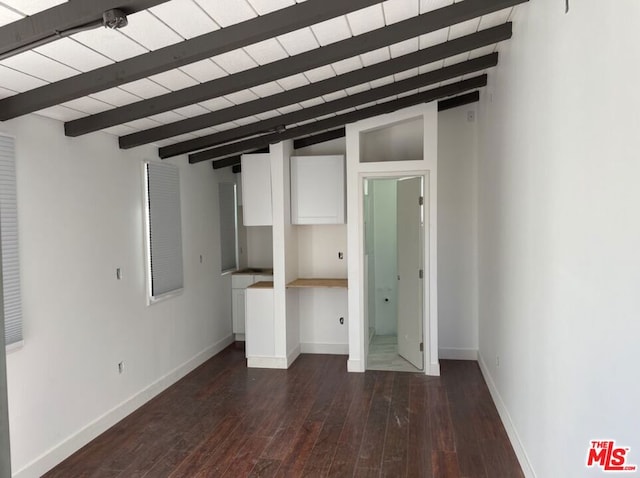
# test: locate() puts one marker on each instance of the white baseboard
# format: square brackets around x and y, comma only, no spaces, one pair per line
[331,349]
[267,362]
[293,355]
[514,438]
[458,354]
[433,369]
[240,337]
[355,365]
[73,443]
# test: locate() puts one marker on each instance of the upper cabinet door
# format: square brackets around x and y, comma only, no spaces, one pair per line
[317,190]
[256,190]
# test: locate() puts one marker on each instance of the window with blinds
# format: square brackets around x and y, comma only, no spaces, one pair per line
[164,230]
[228,226]
[12,300]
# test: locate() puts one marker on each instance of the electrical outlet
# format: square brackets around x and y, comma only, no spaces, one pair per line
[200,258]
[497,361]
[340,255]
[118,274]
[120,367]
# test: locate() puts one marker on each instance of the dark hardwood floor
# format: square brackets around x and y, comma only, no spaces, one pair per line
[315,419]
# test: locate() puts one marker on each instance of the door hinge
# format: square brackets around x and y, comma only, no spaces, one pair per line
[421,201]
[421,274]
[421,346]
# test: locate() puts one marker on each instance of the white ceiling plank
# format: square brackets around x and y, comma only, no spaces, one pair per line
[235,61]
[429,5]
[204,70]
[60,113]
[382,81]
[366,19]
[436,65]
[225,14]
[266,51]
[35,64]
[267,89]
[331,31]
[119,130]
[185,17]
[149,31]
[485,50]
[335,95]
[144,88]
[494,19]
[5,93]
[174,79]
[18,81]
[311,102]
[29,7]
[215,104]
[8,16]
[464,28]
[191,110]
[111,43]
[293,81]
[452,60]
[116,97]
[74,54]
[299,41]
[142,123]
[203,132]
[403,75]
[375,56]
[289,108]
[266,6]
[247,120]
[404,47]
[167,117]
[88,105]
[347,65]
[434,38]
[267,115]
[241,96]
[398,10]
[320,73]
[358,89]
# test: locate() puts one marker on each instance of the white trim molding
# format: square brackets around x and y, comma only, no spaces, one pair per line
[457,354]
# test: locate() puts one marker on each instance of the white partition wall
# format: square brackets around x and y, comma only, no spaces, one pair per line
[396,126]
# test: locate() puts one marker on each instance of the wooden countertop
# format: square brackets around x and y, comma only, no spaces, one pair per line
[262,285]
[342,283]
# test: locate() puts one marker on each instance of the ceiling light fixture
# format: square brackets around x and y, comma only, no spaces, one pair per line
[114,19]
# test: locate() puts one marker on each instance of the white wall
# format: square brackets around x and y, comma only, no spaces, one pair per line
[559,229]
[80,215]
[385,257]
[457,234]
[259,246]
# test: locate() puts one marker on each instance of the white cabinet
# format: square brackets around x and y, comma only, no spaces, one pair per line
[239,282]
[317,189]
[260,323]
[256,190]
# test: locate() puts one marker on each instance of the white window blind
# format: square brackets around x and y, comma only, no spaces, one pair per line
[9,243]
[228,244]
[164,228]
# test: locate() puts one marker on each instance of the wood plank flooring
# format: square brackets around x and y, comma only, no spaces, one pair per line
[315,420]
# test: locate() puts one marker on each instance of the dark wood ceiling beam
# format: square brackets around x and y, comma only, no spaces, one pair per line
[319,138]
[182,53]
[313,90]
[340,120]
[61,20]
[410,28]
[362,98]
[330,135]
[461,100]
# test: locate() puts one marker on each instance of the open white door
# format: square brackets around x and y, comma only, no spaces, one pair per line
[410,260]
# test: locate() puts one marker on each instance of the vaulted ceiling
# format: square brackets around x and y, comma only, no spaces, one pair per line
[216,78]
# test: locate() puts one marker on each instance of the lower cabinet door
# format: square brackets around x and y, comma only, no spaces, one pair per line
[237,310]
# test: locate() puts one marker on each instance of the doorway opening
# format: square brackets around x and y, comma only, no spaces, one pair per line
[394,235]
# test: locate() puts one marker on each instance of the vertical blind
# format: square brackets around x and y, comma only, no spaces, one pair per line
[164,226]
[227,205]
[9,243]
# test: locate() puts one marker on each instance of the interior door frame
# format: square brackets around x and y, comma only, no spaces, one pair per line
[429,267]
